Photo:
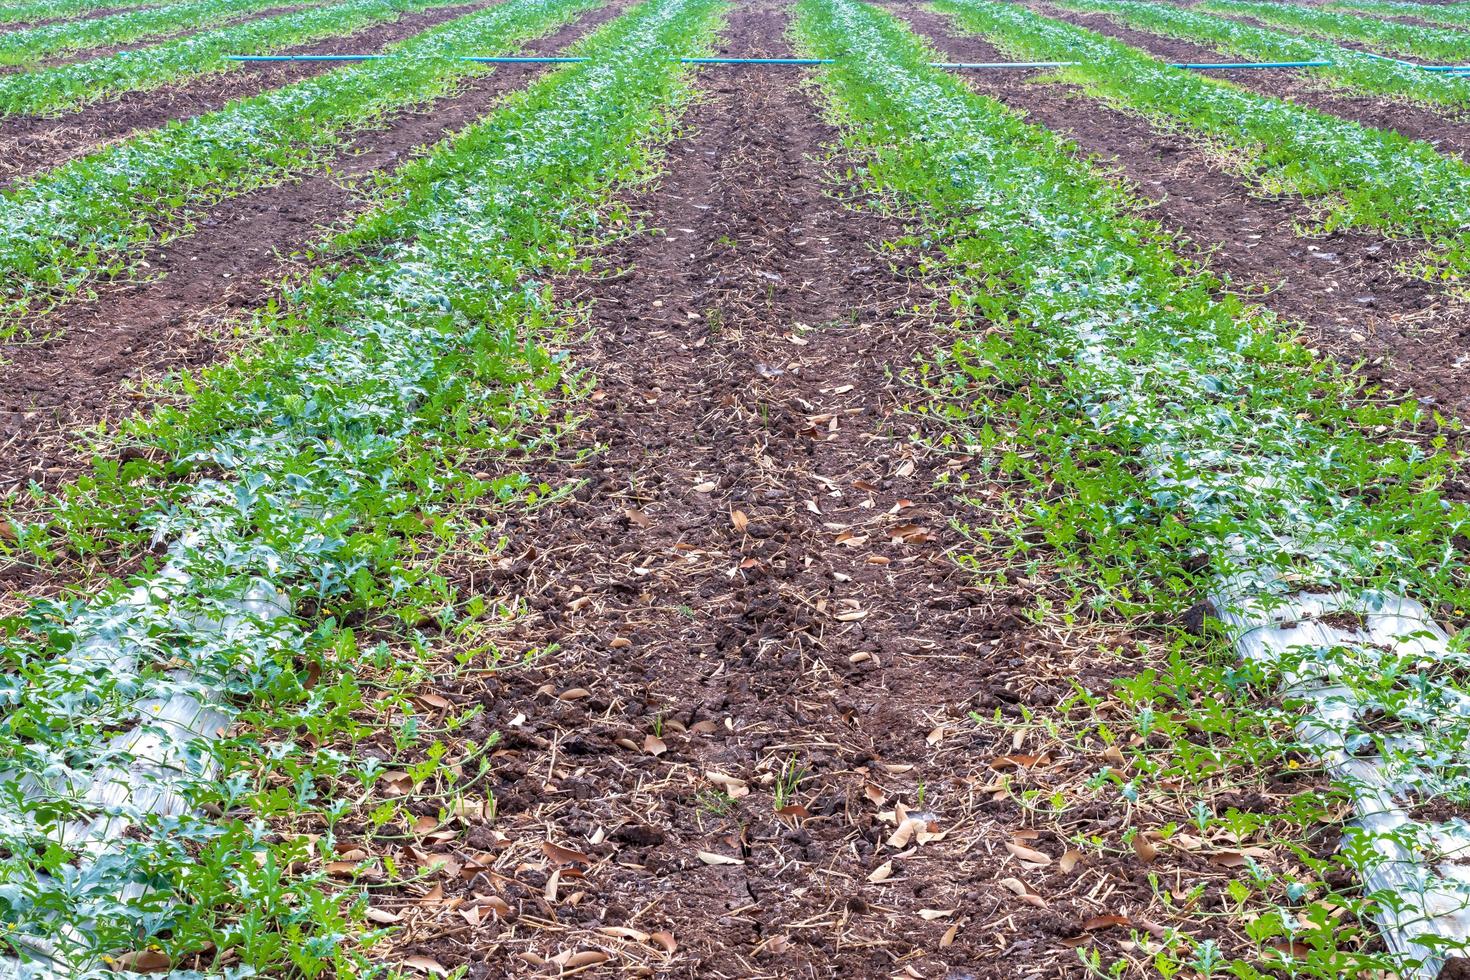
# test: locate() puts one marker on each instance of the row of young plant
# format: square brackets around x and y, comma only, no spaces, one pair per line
[26,11]
[29,46]
[68,87]
[1157,438]
[302,484]
[1452,14]
[1401,38]
[1354,175]
[89,218]
[1349,68]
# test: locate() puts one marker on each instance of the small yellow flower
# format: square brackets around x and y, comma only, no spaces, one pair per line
[1293,764]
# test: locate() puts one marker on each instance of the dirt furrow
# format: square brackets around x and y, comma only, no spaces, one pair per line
[30,144]
[757,654]
[1445,129]
[235,260]
[1342,287]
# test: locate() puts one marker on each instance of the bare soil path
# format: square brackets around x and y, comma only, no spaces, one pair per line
[30,144]
[746,751]
[237,258]
[1342,287]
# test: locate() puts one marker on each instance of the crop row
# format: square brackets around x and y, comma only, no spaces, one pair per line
[1348,68]
[1160,439]
[24,11]
[66,87]
[28,46]
[1389,36]
[1452,14]
[302,477]
[1356,175]
[88,217]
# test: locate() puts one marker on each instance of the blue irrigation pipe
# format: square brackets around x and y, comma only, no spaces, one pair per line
[1230,66]
[507,60]
[377,57]
[757,61]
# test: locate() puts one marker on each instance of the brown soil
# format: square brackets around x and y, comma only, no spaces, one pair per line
[1341,287]
[29,144]
[1445,129]
[753,578]
[235,260]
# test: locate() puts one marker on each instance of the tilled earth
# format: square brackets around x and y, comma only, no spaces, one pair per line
[1346,288]
[744,747]
[742,743]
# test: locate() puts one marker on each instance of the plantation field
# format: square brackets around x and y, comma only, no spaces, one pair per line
[734,489]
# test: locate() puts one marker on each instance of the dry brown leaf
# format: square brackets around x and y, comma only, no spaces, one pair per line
[947,939]
[620,643]
[875,794]
[654,745]
[1228,859]
[575,694]
[637,517]
[397,783]
[710,857]
[143,961]
[852,615]
[881,873]
[7,531]
[623,932]
[705,727]
[1293,949]
[739,521]
[426,964]
[666,940]
[1025,853]
[1003,762]
[587,957]
[564,855]
[383,915]
[1106,922]
[737,788]
[1069,860]
[1144,848]
[930,915]
[704,487]
[1023,891]
[905,832]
